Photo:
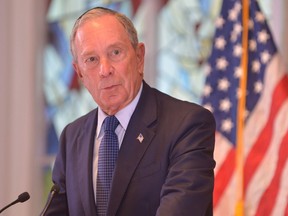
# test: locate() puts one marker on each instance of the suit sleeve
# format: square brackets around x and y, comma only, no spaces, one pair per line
[59,205]
[188,188]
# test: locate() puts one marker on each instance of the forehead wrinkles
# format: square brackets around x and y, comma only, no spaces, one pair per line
[122,20]
[97,35]
[89,19]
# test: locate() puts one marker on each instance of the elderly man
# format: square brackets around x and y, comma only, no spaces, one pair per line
[141,152]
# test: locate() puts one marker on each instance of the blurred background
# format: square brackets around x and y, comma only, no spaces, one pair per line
[40,93]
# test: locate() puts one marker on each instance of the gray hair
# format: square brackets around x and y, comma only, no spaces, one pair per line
[98,12]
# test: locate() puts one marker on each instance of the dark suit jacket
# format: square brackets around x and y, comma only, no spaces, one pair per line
[169,174]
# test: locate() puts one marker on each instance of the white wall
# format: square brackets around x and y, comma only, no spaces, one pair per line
[21,105]
[279,27]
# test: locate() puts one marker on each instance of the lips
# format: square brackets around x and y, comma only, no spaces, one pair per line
[108,87]
[107,84]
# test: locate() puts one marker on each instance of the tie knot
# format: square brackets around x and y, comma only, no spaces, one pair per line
[110,123]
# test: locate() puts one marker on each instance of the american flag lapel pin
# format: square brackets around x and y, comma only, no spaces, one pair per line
[140,138]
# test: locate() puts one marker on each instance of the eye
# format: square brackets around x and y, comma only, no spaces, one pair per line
[116,52]
[91,59]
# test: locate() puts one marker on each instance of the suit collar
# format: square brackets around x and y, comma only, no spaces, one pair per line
[85,145]
[132,149]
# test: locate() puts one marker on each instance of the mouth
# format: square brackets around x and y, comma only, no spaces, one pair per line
[109,87]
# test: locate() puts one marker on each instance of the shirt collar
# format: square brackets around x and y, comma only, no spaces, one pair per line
[122,115]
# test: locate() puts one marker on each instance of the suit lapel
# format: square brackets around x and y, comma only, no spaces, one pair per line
[133,149]
[85,145]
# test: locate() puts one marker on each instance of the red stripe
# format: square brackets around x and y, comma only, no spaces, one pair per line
[286,210]
[260,147]
[223,176]
[268,199]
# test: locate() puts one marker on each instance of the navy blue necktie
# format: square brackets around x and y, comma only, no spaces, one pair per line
[108,153]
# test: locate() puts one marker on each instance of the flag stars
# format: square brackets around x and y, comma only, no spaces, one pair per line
[246,113]
[256,66]
[263,36]
[251,24]
[233,14]
[258,87]
[237,28]
[237,7]
[220,43]
[223,84]
[239,93]
[252,45]
[221,63]
[238,72]
[220,22]
[233,37]
[265,57]
[207,90]
[260,17]
[225,105]
[227,125]
[207,70]
[237,51]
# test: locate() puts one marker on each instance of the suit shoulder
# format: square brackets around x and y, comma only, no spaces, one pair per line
[82,120]
[176,108]
[178,103]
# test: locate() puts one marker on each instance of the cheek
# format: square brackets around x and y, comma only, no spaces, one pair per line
[130,73]
[90,82]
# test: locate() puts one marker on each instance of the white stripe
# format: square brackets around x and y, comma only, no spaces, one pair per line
[227,202]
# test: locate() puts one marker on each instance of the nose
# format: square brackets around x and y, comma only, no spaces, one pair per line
[106,67]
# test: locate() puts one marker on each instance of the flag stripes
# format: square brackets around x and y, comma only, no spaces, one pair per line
[274,187]
[260,147]
[264,140]
[224,173]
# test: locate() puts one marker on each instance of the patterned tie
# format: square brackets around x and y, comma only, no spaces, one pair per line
[108,152]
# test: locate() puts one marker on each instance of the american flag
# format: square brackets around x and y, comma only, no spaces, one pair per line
[249,100]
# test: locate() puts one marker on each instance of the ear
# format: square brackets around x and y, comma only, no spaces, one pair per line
[78,71]
[140,52]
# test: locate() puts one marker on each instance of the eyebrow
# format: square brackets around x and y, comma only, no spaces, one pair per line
[91,52]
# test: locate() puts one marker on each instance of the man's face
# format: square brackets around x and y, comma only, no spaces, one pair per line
[107,64]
